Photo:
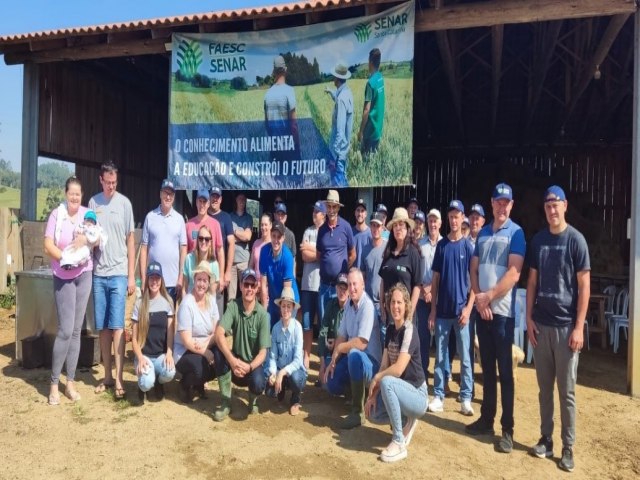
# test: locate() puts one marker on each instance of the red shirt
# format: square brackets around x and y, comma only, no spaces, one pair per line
[193,225]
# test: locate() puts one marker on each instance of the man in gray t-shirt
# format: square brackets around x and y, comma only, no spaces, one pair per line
[242,229]
[113,273]
[280,110]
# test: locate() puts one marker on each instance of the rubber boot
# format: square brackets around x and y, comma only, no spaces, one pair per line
[356,417]
[224,382]
[253,404]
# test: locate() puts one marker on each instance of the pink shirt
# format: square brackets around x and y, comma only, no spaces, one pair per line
[255,255]
[193,225]
[65,238]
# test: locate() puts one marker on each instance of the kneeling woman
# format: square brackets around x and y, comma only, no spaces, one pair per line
[285,368]
[399,388]
[153,329]
[197,320]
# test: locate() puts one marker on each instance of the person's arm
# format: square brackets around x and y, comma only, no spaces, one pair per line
[171,328]
[143,263]
[383,303]
[415,296]
[293,122]
[183,255]
[334,358]
[308,252]
[221,265]
[352,256]
[466,311]
[221,342]
[142,361]
[435,284]
[243,234]
[264,291]
[576,340]
[51,249]
[297,361]
[131,263]
[365,119]
[231,249]
[504,285]
[532,290]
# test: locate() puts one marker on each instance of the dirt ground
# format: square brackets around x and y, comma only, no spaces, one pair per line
[102,438]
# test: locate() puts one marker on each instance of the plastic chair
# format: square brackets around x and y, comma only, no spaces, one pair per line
[618,309]
[620,321]
[610,291]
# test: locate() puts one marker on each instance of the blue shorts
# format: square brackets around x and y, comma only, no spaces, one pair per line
[309,305]
[109,301]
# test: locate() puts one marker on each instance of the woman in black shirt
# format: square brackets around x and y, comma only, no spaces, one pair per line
[399,388]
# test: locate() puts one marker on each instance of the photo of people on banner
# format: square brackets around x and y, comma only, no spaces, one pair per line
[317,106]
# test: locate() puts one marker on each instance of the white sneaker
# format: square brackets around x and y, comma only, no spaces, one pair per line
[466,408]
[394,452]
[408,430]
[436,405]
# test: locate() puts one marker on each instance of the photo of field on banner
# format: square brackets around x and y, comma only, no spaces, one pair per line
[318,106]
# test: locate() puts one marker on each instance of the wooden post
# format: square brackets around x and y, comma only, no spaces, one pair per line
[633,356]
[4,233]
[30,118]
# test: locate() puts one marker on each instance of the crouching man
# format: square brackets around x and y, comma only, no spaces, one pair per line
[248,322]
[357,351]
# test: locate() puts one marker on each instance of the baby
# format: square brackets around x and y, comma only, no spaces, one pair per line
[72,256]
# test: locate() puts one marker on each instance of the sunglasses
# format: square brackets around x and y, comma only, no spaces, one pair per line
[250,285]
[204,239]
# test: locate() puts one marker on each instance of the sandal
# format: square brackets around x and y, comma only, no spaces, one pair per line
[119,393]
[54,399]
[103,387]
[72,395]
[294,410]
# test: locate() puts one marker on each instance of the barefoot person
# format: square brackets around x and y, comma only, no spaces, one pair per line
[285,366]
[399,389]
[71,288]
[152,338]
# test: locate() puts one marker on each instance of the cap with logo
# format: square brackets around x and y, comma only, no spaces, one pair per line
[553,194]
[215,191]
[420,216]
[378,218]
[502,191]
[248,273]
[413,200]
[361,203]
[167,185]
[382,208]
[278,227]
[281,207]
[477,208]
[154,268]
[456,205]
[320,206]
[342,279]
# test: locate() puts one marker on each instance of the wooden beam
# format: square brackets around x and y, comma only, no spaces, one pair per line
[497,37]
[451,69]
[89,52]
[501,12]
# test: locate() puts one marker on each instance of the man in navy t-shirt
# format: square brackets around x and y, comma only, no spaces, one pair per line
[558,292]
[453,300]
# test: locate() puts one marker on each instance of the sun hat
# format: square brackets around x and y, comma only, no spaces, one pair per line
[400,214]
[288,296]
[333,197]
[341,71]
[203,267]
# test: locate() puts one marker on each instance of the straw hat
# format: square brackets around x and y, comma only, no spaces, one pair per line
[288,295]
[333,197]
[341,71]
[203,267]
[400,214]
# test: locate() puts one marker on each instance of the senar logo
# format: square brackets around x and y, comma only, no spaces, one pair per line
[362,32]
[189,58]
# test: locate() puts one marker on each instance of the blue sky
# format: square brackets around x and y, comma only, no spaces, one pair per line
[35,15]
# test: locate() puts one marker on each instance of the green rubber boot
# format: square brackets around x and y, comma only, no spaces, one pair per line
[253,404]
[356,417]
[224,383]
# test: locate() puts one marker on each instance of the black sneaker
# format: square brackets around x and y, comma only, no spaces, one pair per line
[141,396]
[480,427]
[566,462]
[158,390]
[544,447]
[505,445]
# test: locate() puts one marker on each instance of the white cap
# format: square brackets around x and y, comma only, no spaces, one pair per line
[434,212]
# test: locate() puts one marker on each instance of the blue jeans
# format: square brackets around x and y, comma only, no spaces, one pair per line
[495,338]
[397,400]
[294,382]
[158,370]
[254,381]
[423,310]
[173,293]
[443,332]
[109,299]
[325,293]
[473,319]
[309,305]
[355,366]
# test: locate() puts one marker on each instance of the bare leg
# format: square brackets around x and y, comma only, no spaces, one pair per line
[106,338]
[307,340]
[118,342]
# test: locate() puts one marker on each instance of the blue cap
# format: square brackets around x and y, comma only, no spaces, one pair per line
[553,194]
[420,216]
[456,205]
[477,208]
[154,268]
[413,200]
[215,191]
[281,207]
[167,185]
[501,191]
[91,215]
[319,206]
[249,273]
[381,208]
[202,194]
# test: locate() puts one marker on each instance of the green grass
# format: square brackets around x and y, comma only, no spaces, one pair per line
[11,198]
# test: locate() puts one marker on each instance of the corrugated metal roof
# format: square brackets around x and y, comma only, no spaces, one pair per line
[224,15]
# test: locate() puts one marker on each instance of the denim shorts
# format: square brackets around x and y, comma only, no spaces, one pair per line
[109,301]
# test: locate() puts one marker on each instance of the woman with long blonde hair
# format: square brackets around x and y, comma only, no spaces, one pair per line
[203,252]
[153,331]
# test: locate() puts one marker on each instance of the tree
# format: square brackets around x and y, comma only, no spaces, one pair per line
[54,198]
[53,175]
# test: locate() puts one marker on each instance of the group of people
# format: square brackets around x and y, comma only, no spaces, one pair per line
[379,292]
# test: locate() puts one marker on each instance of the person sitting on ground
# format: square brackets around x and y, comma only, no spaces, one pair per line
[333,313]
[243,362]
[153,330]
[285,366]
[197,319]
[399,389]
[203,252]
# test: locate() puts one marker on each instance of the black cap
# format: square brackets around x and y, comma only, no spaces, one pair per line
[278,227]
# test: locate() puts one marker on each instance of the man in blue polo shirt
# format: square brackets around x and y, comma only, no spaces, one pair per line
[164,240]
[335,250]
[276,270]
[450,296]
[495,271]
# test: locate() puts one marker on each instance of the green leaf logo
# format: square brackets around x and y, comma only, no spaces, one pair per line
[362,32]
[189,58]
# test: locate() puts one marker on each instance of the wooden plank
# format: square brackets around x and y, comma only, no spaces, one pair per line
[497,37]
[500,12]
[4,233]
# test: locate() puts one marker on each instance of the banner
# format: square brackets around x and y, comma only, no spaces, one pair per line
[318,106]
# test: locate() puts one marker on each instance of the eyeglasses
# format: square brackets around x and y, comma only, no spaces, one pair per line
[204,239]
[250,285]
